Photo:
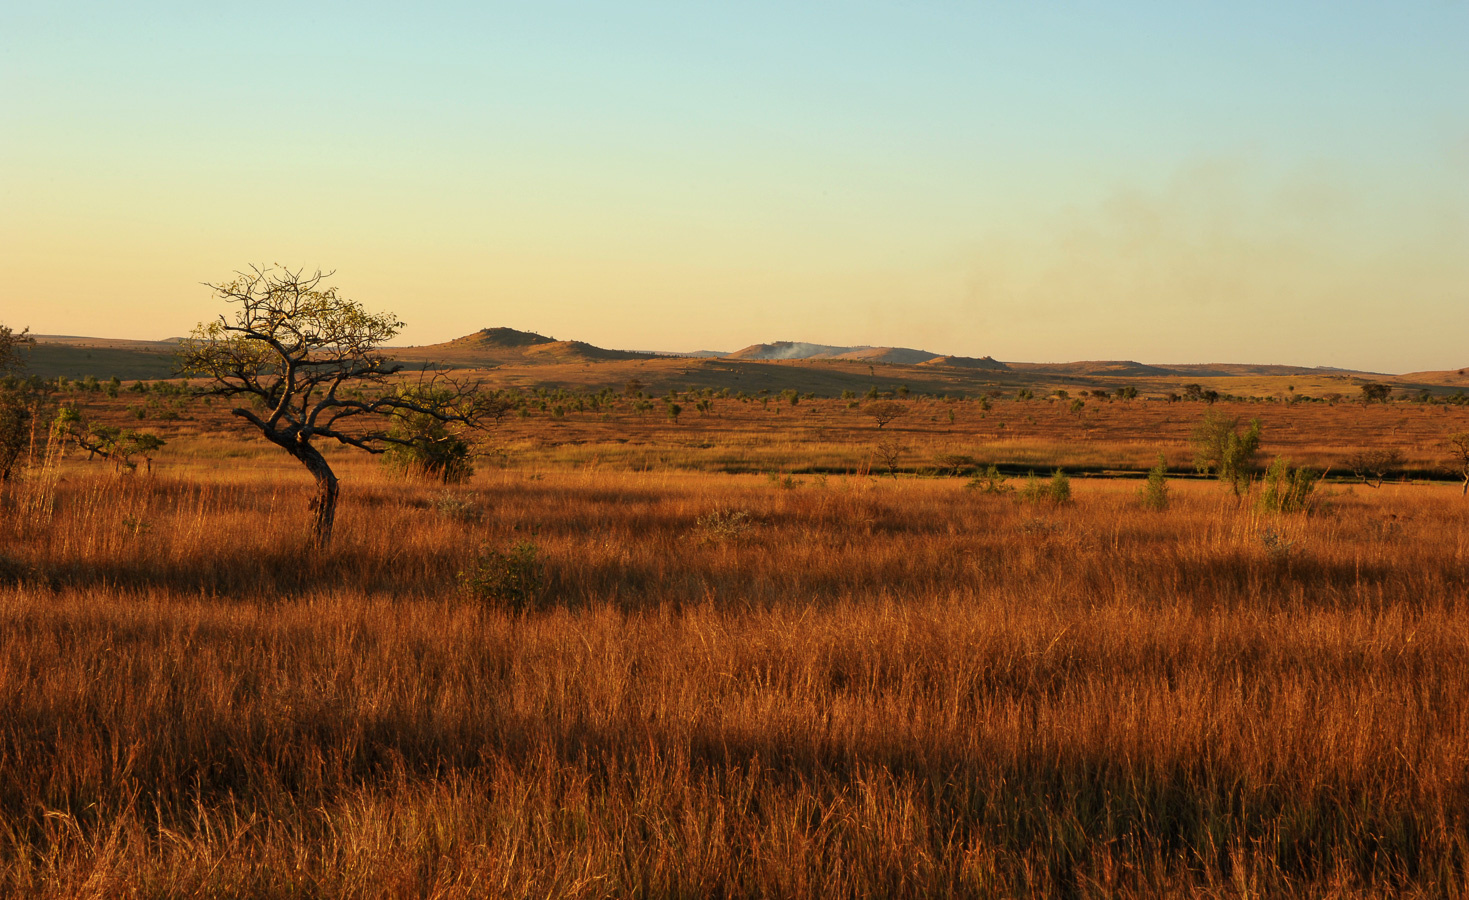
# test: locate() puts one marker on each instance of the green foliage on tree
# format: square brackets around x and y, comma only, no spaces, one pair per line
[16,404]
[1223,450]
[110,442]
[423,445]
[884,411]
[304,362]
[1374,392]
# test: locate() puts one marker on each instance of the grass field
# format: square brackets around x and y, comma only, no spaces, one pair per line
[828,685]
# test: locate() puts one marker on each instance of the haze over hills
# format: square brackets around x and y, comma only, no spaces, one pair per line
[527,359]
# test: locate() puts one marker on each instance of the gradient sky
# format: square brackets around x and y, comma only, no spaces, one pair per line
[1165,181]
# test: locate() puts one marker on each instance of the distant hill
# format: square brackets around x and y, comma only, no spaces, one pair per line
[527,359]
[902,356]
[987,363]
[74,356]
[507,346]
[499,338]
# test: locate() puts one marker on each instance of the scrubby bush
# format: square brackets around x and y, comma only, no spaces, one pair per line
[514,577]
[1057,489]
[989,481]
[1221,449]
[724,526]
[1286,489]
[1154,494]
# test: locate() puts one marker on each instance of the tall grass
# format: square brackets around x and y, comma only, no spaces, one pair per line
[883,687]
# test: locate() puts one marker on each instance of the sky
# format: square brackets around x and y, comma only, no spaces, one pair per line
[1282,182]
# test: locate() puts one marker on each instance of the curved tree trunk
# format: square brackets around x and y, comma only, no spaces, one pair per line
[324,506]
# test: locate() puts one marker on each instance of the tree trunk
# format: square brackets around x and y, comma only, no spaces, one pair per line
[324,506]
[1465,489]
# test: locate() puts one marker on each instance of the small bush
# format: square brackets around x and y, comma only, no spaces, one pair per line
[1058,491]
[1277,546]
[1033,491]
[456,508]
[725,525]
[989,481]
[1055,490]
[1288,490]
[1154,494]
[514,578]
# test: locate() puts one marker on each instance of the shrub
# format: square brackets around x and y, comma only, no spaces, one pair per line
[456,508]
[1155,491]
[1286,489]
[1058,490]
[1033,491]
[990,481]
[514,577]
[725,525]
[1221,449]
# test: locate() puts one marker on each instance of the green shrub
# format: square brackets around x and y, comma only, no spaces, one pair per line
[1033,491]
[989,481]
[1221,449]
[514,577]
[1288,490]
[1154,494]
[1058,490]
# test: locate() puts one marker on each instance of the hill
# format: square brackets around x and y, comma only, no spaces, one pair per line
[490,347]
[786,350]
[526,359]
[987,363]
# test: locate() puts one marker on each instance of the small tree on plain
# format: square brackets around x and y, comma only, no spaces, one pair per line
[884,411]
[1371,466]
[15,406]
[116,445]
[1221,449]
[1154,494]
[889,451]
[1375,393]
[304,359]
[1459,446]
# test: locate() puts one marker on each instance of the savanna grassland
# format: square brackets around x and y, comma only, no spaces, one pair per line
[754,665]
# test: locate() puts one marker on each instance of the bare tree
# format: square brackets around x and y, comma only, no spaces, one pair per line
[889,451]
[305,360]
[1459,445]
[884,411]
[1370,465]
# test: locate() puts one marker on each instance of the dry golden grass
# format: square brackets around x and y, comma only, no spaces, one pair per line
[828,435]
[878,687]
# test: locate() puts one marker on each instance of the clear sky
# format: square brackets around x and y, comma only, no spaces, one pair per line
[1166,181]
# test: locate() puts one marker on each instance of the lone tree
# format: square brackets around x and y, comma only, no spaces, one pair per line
[15,407]
[884,411]
[1372,466]
[1459,445]
[1374,392]
[305,360]
[1221,449]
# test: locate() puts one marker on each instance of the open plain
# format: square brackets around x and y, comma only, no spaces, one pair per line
[751,660]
